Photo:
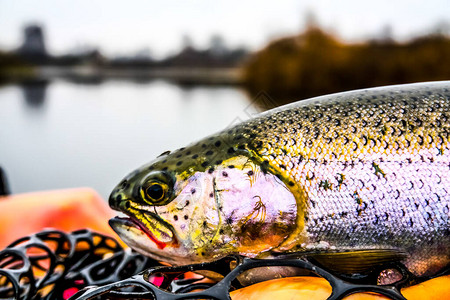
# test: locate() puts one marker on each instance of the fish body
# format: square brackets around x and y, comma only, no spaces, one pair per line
[365,171]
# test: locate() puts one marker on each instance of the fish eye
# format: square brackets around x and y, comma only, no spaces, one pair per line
[154,192]
[156,188]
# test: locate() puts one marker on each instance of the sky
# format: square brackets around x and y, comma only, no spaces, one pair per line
[127,27]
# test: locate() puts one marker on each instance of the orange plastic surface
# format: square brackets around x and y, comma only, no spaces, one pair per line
[66,210]
[305,288]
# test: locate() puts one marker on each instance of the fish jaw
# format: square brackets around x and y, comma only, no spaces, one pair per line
[138,237]
[118,222]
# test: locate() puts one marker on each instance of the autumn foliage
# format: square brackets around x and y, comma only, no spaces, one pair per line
[316,63]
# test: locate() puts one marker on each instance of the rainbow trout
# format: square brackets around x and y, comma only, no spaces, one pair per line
[360,177]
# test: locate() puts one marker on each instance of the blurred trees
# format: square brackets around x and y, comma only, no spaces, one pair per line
[316,63]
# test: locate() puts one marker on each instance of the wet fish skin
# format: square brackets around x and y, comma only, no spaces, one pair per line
[361,170]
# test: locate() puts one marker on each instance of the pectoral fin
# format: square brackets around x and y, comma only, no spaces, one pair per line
[361,261]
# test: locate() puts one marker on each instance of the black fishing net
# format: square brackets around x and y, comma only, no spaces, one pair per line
[86,265]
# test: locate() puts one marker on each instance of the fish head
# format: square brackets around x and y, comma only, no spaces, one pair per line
[187,211]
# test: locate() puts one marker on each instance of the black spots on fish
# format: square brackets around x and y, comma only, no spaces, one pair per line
[229,220]
[231,167]
[307,130]
[403,212]
[345,140]
[124,185]
[396,194]
[326,185]
[192,191]
[291,183]
[335,135]
[127,204]
[376,219]
[438,198]
[210,170]
[418,122]
[238,137]
[179,155]
[195,156]
[221,231]
[310,175]
[258,144]
[446,209]
[231,150]
[283,167]
[357,198]
[164,153]
[205,164]
[175,217]
[340,179]
[355,146]
[377,122]
[242,147]
[204,146]
[337,122]
[364,140]
[377,170]
[224,174]
[265,166]
[250,173]
[165,168]
[179,163]
[361,208]
[211,195]
[209,153]
[186,217]
[407,143]
[313,203]
[421,184]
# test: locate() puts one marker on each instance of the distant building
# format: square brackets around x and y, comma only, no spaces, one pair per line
[33,46]
[217,46]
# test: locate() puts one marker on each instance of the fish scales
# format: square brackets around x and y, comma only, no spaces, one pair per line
[375,167]
[367,169]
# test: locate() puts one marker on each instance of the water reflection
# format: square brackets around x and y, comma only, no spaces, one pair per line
[34,92]
[92,135]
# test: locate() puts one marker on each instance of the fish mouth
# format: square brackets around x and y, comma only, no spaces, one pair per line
[156,229]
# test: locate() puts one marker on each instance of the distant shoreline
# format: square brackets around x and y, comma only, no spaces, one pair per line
[93,74]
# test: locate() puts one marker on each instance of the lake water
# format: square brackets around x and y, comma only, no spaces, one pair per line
[65,134]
